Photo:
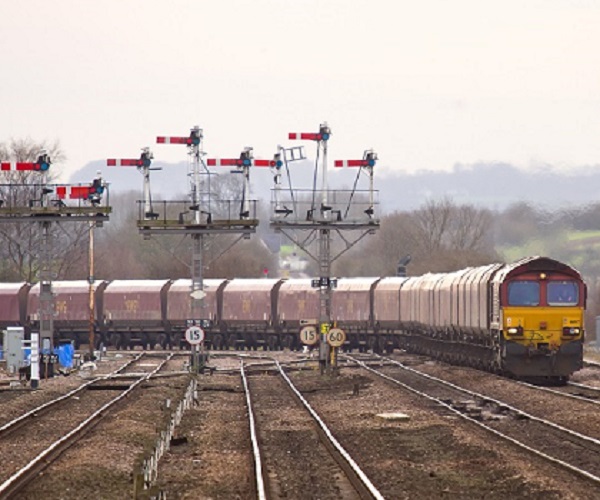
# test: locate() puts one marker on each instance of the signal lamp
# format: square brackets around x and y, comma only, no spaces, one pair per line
[43,162]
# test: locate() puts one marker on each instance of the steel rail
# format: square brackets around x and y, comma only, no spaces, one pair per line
[564,394]
[24,475]
[355,471]
[583,386]
[258,468]
[587,475]
[22,419]
[130,362]
[501,404]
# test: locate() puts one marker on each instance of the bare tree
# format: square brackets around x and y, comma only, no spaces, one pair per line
[440,236]
[122,253]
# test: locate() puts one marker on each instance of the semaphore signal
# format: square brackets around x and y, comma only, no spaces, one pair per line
[41,165]
[193,139]
[243,163]
[143,165]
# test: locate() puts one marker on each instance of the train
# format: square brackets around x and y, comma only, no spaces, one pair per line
[523,319]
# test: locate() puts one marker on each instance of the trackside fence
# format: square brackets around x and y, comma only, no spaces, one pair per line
[146,470]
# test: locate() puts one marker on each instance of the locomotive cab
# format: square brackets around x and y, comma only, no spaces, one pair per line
[540,319]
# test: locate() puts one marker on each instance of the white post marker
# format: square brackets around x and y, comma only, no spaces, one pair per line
[336,337]
[308,335]
[35,360]
[194,335]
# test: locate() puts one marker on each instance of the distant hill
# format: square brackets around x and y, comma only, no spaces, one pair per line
[492,185]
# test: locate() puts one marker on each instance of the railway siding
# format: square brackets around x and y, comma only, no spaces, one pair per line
[100,465]
[577,415]
[429,456]
[296,463]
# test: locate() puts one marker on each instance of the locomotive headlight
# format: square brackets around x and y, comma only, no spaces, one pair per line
[571,331]
[515,330]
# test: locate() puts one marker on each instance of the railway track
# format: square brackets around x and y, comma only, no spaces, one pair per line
[579,392]
[574,451]
[590,363]
[296,457]
[48,434]
[21,420]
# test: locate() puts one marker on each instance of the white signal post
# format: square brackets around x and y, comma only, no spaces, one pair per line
[367,163]
[200,205]
[321,138]
[143,165]
[242,164]
[195,337]
[194,143]
[201,221]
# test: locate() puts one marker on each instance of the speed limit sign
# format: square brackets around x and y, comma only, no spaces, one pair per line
[336,337]
[308,335]
[194,335]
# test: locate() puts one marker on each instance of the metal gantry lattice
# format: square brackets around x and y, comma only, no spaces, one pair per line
[46,204]
[338,211]
[200,216]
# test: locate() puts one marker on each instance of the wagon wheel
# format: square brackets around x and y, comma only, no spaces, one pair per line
[176,340]
[162,340]
[273,343]
[217,342]
[115,340]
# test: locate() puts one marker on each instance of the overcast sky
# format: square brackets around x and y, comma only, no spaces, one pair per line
[427,83]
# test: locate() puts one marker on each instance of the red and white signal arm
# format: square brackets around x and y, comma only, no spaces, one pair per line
[336,337]
[194,335]
[308,335]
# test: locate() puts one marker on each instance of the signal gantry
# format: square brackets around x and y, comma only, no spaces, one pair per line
[45,204]
[202,215]
[321,211]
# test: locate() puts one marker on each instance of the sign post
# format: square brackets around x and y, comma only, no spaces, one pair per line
[195,336]
[335,338]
